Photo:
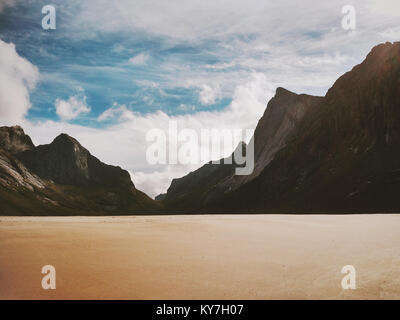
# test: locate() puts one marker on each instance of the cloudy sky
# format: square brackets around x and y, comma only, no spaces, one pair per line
[113,70]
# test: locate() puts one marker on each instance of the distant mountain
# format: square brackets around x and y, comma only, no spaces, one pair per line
[66,162]
[205,185]
[201,186]
[62,178]
[338,153]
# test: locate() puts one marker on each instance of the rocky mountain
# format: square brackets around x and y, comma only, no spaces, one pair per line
[207,184]
[62,178]
[14,139]
[66,162]
[200,186]
[337,153]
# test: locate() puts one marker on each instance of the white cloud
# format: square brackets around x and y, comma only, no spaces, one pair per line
[385,7]
[71,108]
[186,107]
[140,59]
[220,66]
[391,34]
[117,111]
[195,20]
[198,19]
[158,181]
[208,95]
[300,46]
[17,77]
[124,143]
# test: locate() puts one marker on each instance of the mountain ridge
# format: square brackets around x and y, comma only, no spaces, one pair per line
[340,156]
[333,154]
[63,178]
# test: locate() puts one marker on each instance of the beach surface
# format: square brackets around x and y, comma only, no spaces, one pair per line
[201,257]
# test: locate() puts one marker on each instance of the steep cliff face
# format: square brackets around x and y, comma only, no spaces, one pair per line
[14,139]
[281,118]
[13,173]
[283,114]
[65,161]
[365,101]
[62,178]
[338,153]
[201,186]
[344,156]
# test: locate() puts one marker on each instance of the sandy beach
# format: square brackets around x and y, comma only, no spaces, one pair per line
[201,257]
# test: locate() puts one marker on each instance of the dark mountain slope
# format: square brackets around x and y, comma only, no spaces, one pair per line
[283,114]
[338,153]
[200,186]
[14,139]
[65,161]
[344,156]
[62,178]
[210,182]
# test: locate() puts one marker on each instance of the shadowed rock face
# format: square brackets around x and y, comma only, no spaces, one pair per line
[344,156]
[283,114]
[62,178]
[338,153]
[65,161]
[14,139]
[13,174]
[199,186]
[281,117]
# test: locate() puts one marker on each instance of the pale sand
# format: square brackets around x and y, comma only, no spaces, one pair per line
[201,257]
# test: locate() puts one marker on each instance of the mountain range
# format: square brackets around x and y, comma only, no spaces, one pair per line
[337,153]
[62,178]
[333,154]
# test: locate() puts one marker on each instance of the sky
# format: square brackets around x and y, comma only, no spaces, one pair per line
[113,70]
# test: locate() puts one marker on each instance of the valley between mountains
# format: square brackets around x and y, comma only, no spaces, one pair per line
[334,154]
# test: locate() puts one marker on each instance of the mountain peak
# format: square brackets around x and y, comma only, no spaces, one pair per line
[381,55]
[282,92]
[65,144]
[63,138]
[384,48]
[382,61]
[367,98]
[14,139]
[66,161]
[62,178]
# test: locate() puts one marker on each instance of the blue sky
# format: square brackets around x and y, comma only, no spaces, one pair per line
[112,70]
[99,65]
